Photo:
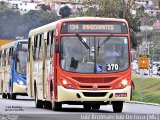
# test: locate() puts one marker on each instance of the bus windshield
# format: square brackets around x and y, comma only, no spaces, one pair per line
[21,57]
[105,54]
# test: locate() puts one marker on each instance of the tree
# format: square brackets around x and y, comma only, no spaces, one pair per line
[13,24]
[44,7]
[115,9]
[65,12]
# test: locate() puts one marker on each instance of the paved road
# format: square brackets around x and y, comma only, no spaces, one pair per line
[24,109]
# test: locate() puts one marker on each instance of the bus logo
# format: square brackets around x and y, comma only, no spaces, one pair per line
[95,86]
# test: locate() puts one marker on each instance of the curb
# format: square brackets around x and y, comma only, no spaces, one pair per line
[145,103]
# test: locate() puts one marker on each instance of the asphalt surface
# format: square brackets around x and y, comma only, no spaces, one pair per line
[24,109]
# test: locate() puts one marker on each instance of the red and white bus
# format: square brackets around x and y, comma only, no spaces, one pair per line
[82,61]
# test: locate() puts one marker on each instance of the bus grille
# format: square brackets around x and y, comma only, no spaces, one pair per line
[91,87]
[94,94]
[96,80]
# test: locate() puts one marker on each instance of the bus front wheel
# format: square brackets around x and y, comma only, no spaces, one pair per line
[117,106]
[56,106]
[47,105]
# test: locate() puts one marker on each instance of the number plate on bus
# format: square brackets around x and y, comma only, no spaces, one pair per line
[112,67]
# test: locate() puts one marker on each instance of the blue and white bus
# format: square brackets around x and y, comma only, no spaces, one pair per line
[13,69]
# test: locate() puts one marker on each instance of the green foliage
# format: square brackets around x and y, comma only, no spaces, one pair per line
[13,24]
[114,9]
[3,7]
[151,91]
[44,7]
[65,12]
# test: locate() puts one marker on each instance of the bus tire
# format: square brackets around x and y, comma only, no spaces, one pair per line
[12,96]
[4,95]
[117,106]
[38,103]
[8,95]
[47,105]
[96,107]
[56,106]
[87,107]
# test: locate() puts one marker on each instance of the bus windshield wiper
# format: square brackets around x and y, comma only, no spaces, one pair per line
[99,45]
[82,41]
[105,40]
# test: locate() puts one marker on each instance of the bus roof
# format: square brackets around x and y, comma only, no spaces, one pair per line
[2,42]
[52,26]
[12,43]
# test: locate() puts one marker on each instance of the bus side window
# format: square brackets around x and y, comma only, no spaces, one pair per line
[35,48]
[2,63]
[52,44]
[11,53]
[0,58]
[48,45]
[9,56]
[4,58]
[41,40]
[29,42]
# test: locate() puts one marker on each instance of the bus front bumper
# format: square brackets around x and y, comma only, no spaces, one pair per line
[19,88]
[65,95]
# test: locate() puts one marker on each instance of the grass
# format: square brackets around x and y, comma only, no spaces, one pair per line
[151,89]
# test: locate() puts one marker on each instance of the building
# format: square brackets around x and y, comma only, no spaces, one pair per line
[23,6]
[55,5]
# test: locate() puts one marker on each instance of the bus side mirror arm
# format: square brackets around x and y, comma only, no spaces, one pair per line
[57,47]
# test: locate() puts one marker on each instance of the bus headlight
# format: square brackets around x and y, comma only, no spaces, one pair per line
[67,84]
[64,82]
[122,84]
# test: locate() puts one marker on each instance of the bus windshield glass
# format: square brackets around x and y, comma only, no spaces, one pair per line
[106,54]
[21,57]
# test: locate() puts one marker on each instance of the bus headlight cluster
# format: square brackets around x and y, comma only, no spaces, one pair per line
[122,84]
[67,84]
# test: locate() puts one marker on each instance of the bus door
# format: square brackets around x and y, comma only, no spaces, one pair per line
[46,62]
[48,74]
[46,67]
[41,68]
[30,67]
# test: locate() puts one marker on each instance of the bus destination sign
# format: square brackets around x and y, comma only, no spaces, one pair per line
[94,27]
